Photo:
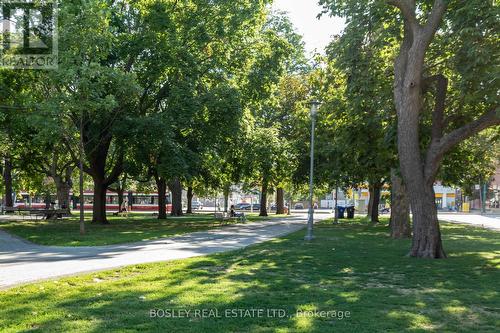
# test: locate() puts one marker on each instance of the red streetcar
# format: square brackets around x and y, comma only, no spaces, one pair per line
[139,202]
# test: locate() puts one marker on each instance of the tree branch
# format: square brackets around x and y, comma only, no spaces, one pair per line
[489,119]
[130,63]
[401,63]
[75,158]
[439,148]
[116,171]
[53,166]
[407,8]
[434,20]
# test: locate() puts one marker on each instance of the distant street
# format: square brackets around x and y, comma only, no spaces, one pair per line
[486,221]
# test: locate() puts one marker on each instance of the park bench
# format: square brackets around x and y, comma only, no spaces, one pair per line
[6,210]
[52,213]
[47,214]
[224,218]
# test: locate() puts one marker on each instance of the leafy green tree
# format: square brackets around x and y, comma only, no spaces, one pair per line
[444,78]
[95,89]
[292,118]
[279,64]
[13,94]
[413,79]
[360,57]
[192,77]
[268,157]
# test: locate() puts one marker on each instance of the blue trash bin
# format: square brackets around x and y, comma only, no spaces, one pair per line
[341,211]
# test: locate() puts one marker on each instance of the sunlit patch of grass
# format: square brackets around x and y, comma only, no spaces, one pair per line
[351,297]
[303,323]
[415,320]
[366,274]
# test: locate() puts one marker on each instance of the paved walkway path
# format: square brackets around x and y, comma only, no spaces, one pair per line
[22,262]
[486,221]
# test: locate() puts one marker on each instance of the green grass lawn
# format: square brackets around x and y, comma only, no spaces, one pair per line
[136,227]
[348,267]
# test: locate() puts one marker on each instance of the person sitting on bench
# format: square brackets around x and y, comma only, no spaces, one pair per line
[233,213]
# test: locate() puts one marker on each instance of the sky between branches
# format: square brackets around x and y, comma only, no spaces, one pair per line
[303,13]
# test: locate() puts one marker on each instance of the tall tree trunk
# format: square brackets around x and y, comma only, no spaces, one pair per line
[161,185]
[226,190]
[427,235]
[419,168]
[400,208]
[374,213]
[263,199]
[189,200]
[370,200]
[120,191]
[280,201]
[7,178]
[408,75]
[336,206]
[176,189]
[97,156]
[64,183]
[99,205]
[47,200]
[63,192]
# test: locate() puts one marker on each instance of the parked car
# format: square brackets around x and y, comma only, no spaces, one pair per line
[256,206]
[299,206]
[242,206]
[196,205]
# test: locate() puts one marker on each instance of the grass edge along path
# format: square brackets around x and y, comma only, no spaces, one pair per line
[121,230]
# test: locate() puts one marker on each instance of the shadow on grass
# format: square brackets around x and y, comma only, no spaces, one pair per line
[349,267]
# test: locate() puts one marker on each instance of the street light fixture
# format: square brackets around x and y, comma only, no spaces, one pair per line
[310,221]
[80,167]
